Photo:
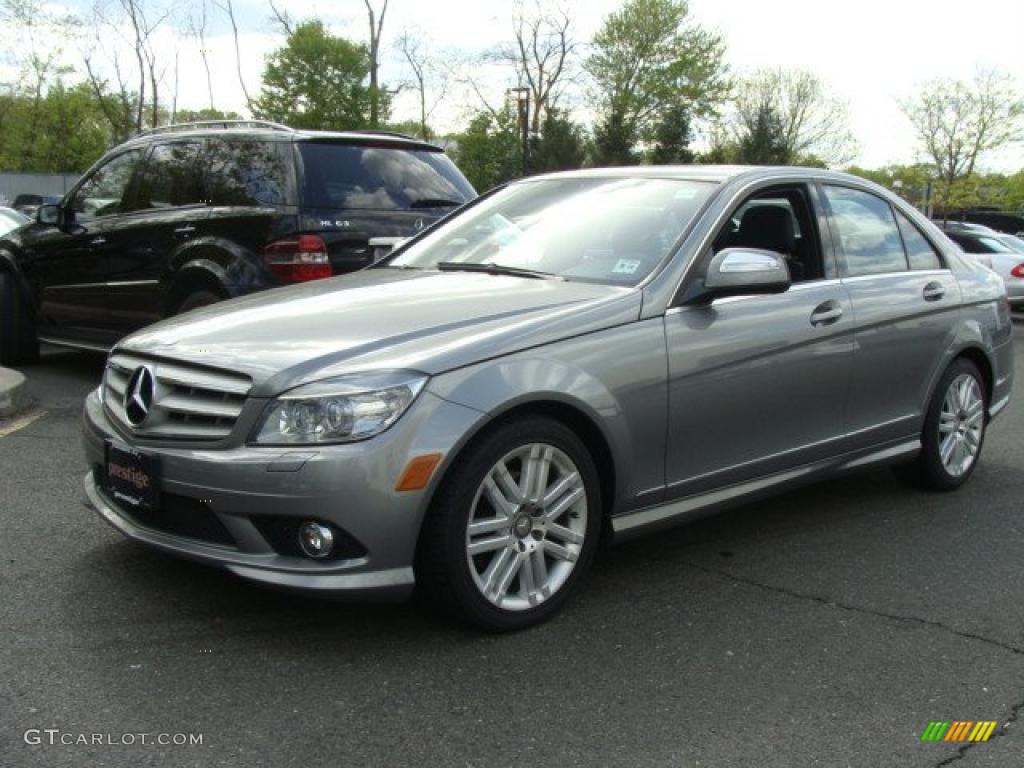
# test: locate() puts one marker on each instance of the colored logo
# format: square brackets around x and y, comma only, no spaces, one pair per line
[958,730]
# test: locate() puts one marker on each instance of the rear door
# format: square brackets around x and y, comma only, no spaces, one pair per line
[758,384]
[905,304]
[168,211]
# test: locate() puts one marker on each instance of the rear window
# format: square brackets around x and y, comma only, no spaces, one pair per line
[379,178]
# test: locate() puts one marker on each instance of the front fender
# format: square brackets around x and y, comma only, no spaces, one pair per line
[624,395]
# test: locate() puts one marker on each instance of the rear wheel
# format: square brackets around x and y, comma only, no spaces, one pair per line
[197,299]
[514,528]
[954,430]
[18,342]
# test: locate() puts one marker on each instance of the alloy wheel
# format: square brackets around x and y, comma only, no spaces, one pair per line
[961,424]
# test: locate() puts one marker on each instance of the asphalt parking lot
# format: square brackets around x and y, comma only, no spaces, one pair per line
[825,627]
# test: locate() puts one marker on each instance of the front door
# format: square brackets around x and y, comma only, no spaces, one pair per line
[758,384]
[73,264]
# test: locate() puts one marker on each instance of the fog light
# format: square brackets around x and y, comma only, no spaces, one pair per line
[316,540]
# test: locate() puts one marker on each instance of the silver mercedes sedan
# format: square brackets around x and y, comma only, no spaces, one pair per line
[571,358]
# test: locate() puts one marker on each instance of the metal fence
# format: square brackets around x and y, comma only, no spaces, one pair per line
[14,184]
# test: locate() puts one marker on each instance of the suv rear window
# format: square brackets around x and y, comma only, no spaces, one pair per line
[379,178]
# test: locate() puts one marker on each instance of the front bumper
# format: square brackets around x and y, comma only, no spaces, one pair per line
[240,487]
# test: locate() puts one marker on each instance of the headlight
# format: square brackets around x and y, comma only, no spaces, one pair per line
[340,410]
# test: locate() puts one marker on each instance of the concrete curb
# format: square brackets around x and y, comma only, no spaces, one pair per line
[14,396]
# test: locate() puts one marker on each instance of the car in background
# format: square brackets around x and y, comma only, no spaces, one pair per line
[29,203]
[1004,255]
[184,216]
[571,359]
[11,219]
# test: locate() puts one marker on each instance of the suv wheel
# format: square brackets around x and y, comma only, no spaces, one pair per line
[514,528]
[18,343]
[954,430]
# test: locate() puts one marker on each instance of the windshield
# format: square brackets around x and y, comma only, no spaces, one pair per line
[379,178]
[607,230]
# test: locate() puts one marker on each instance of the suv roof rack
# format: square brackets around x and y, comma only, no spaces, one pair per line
[221,124]
[396,134]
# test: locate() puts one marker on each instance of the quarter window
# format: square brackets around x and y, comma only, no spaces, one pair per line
[249,173]
[920,253]
[870,239]
[105,192]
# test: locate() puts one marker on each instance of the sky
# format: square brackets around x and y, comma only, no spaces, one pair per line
[870,53]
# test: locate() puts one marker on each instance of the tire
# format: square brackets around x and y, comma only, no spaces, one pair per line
[545,549]
[954,431]
[197,299]
[18,342]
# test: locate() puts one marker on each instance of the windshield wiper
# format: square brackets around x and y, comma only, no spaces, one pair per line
[435,202]
[494,269]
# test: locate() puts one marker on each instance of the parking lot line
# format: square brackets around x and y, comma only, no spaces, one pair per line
[21,422]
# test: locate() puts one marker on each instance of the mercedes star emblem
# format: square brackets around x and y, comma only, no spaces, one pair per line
[138,395]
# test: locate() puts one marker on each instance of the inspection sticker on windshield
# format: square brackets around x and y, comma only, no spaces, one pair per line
[626,266]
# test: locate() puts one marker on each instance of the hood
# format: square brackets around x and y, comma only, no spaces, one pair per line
[383,319]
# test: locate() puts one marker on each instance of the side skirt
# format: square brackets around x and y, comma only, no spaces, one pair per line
[677,511]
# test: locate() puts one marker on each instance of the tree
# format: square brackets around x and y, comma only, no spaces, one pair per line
[542,54]
[649,58]
[490,151]
[376,31]
[672,137]
[956,122]
[430,78]
[560,145]
[316,81]
[813,126]
[764,142]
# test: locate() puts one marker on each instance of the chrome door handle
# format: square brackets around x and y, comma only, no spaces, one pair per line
[96,241]
[188,229]
[933,292]
[826,313]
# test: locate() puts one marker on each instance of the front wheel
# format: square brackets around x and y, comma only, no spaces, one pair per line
[514,528]
[954,430]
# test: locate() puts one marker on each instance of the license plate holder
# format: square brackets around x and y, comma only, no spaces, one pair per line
[131,477]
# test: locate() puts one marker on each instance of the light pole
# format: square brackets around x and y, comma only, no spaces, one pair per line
[523,103]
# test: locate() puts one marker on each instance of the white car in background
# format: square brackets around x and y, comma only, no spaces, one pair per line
[11,219]
[1003,254]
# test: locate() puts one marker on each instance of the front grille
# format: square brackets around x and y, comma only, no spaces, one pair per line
[190,402]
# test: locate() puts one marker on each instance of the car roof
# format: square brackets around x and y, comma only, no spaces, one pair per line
[713,173]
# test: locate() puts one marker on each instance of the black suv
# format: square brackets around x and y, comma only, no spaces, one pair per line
[186,215]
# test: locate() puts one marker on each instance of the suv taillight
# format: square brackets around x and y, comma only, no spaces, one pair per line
[1018,271]
[297,259]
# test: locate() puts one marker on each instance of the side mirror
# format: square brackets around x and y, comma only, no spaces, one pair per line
[49,214]
[746,271]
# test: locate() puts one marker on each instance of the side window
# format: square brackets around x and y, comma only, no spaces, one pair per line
[105,191]
[868,233]
[779,220]
[919,251]
[249,173]
[171,176]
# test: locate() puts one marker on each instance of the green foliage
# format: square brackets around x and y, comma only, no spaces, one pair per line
[317,80]
[560,147]
[672,137]
[614,139]
[649,60]
[60,131]
[490,151]
[764,142]
[207,113]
